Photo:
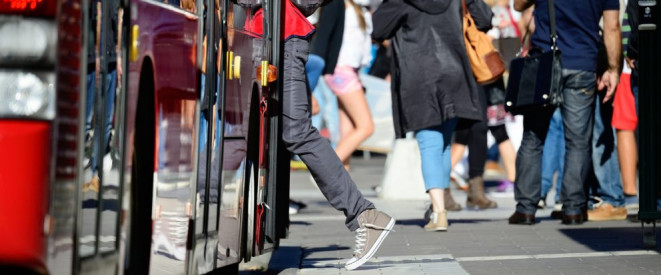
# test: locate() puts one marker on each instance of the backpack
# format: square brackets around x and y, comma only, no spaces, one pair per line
[485,61]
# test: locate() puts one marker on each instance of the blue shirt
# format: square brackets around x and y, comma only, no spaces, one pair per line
[577,27]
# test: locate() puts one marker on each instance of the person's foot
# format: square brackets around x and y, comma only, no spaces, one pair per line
[522,218]
[450,203]
[556,214]
[505,186]
[476,197]
[541,204]
[573,219]
[92,185]
[606,212]
[437,222]
[374,226]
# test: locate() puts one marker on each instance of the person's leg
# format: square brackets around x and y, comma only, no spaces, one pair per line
[506,149]
[304,140]
[606,167]
[527,187]
[578,120]
[561,158]
[462,135]
[109,105]
[553,154]
[477,149]
[356,126]
[627,150]
[434,144]
[313,68]
[477,156]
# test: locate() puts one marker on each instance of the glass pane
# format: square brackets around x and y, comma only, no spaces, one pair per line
[110,127]
[93,137]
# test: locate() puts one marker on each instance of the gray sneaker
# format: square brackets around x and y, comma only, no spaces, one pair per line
[374,227]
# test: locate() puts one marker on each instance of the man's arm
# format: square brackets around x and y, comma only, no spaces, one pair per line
[521,5]
[613,43]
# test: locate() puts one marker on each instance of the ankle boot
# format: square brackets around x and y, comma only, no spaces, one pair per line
[437,222]
[476,197]
[450,204]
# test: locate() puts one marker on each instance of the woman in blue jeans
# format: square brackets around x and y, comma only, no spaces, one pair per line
[432,82]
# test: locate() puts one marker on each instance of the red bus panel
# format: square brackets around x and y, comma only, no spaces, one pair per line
[24,183]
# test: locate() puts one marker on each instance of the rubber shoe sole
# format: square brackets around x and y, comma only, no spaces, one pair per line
[354,263]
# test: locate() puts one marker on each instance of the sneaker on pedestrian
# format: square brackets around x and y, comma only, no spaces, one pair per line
[606,212]
[437,221]
[374,226]
[541,204]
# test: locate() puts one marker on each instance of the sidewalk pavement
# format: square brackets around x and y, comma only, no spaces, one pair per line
[477,242]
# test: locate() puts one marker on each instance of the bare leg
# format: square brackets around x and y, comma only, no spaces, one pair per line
[354,105]
[437,200]
[508,155]
[628,152]
[457,153]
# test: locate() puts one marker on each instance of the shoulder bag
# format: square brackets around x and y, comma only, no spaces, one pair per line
[485,61]
[535,80]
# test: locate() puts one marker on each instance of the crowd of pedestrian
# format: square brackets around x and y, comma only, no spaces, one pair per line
[585,145]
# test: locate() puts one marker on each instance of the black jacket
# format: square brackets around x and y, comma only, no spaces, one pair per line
[431,76]
[327,39]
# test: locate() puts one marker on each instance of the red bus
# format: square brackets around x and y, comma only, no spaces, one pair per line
[139,137]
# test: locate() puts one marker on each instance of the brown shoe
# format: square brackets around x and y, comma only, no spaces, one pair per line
[374,226]
[92,185]
[450,203]
[476,197]
[606,212]
[522,218]
[437,222]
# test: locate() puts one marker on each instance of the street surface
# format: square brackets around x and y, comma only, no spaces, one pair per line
[477,242]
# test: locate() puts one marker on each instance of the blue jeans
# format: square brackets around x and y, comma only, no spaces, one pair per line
[553,158]
[577,115]
[109,110]
[604,156]
[313,68]
[434,144]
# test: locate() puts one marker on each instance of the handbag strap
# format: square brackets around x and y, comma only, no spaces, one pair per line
[554,35]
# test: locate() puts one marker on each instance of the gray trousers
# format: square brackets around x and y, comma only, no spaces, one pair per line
[304,140]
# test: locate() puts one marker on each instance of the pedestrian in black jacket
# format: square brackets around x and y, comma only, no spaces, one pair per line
[432,82]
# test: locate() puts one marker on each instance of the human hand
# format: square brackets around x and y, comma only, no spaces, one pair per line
[631,62]
[608,81]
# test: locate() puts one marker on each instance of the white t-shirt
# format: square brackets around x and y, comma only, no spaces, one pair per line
[356,44]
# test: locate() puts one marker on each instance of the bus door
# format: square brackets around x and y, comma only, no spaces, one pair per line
[102,146]
[210,143]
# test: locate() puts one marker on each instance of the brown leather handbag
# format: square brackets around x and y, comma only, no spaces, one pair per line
[485,61]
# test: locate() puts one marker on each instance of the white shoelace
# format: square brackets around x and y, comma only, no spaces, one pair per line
[361,237]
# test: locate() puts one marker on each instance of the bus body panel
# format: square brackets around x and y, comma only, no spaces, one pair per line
[24,188]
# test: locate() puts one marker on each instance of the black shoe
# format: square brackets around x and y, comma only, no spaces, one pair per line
[556,214]
[575,219]
[521,218]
